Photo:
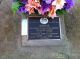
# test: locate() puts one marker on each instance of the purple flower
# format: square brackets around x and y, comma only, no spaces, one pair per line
[24,1]
[21,9]
[68,4]
[44,6]
[48,1]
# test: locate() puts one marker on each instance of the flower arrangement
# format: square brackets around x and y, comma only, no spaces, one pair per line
[49,8]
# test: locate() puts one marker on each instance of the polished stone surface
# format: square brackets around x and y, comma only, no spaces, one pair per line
[38,30]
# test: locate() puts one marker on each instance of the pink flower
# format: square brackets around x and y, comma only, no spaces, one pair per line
[52,11]
[32,4]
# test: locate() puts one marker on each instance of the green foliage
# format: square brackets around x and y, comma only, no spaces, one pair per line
[15,6]
[61,11]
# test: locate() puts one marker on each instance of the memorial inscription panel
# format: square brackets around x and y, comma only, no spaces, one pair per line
[43,29]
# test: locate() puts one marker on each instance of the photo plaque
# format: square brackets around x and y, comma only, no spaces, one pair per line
[42,28]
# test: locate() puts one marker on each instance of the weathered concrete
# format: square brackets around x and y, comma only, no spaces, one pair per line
[10,34]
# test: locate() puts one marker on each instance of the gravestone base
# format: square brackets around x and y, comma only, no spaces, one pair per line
[45,42]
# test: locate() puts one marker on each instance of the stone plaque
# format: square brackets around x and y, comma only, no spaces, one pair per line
[43,28]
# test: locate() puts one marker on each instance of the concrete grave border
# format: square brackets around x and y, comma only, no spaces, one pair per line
[25,42]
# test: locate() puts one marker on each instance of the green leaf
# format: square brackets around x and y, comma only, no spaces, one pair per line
[15,6]
[61,11]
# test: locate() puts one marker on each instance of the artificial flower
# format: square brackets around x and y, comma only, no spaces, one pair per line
[58,3]
[23,1]
[44,7]
[31,5]
[48,1]
[68,4]
[49,8]
[52,12]
[21,9]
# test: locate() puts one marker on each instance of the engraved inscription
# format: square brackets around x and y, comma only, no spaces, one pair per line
[36,30]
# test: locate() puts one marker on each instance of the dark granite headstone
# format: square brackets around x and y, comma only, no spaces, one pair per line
[43,29]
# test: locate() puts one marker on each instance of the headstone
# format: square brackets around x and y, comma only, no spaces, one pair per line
[42,31]
[46,28]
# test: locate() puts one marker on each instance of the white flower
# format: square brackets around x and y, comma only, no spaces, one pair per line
[58,3]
